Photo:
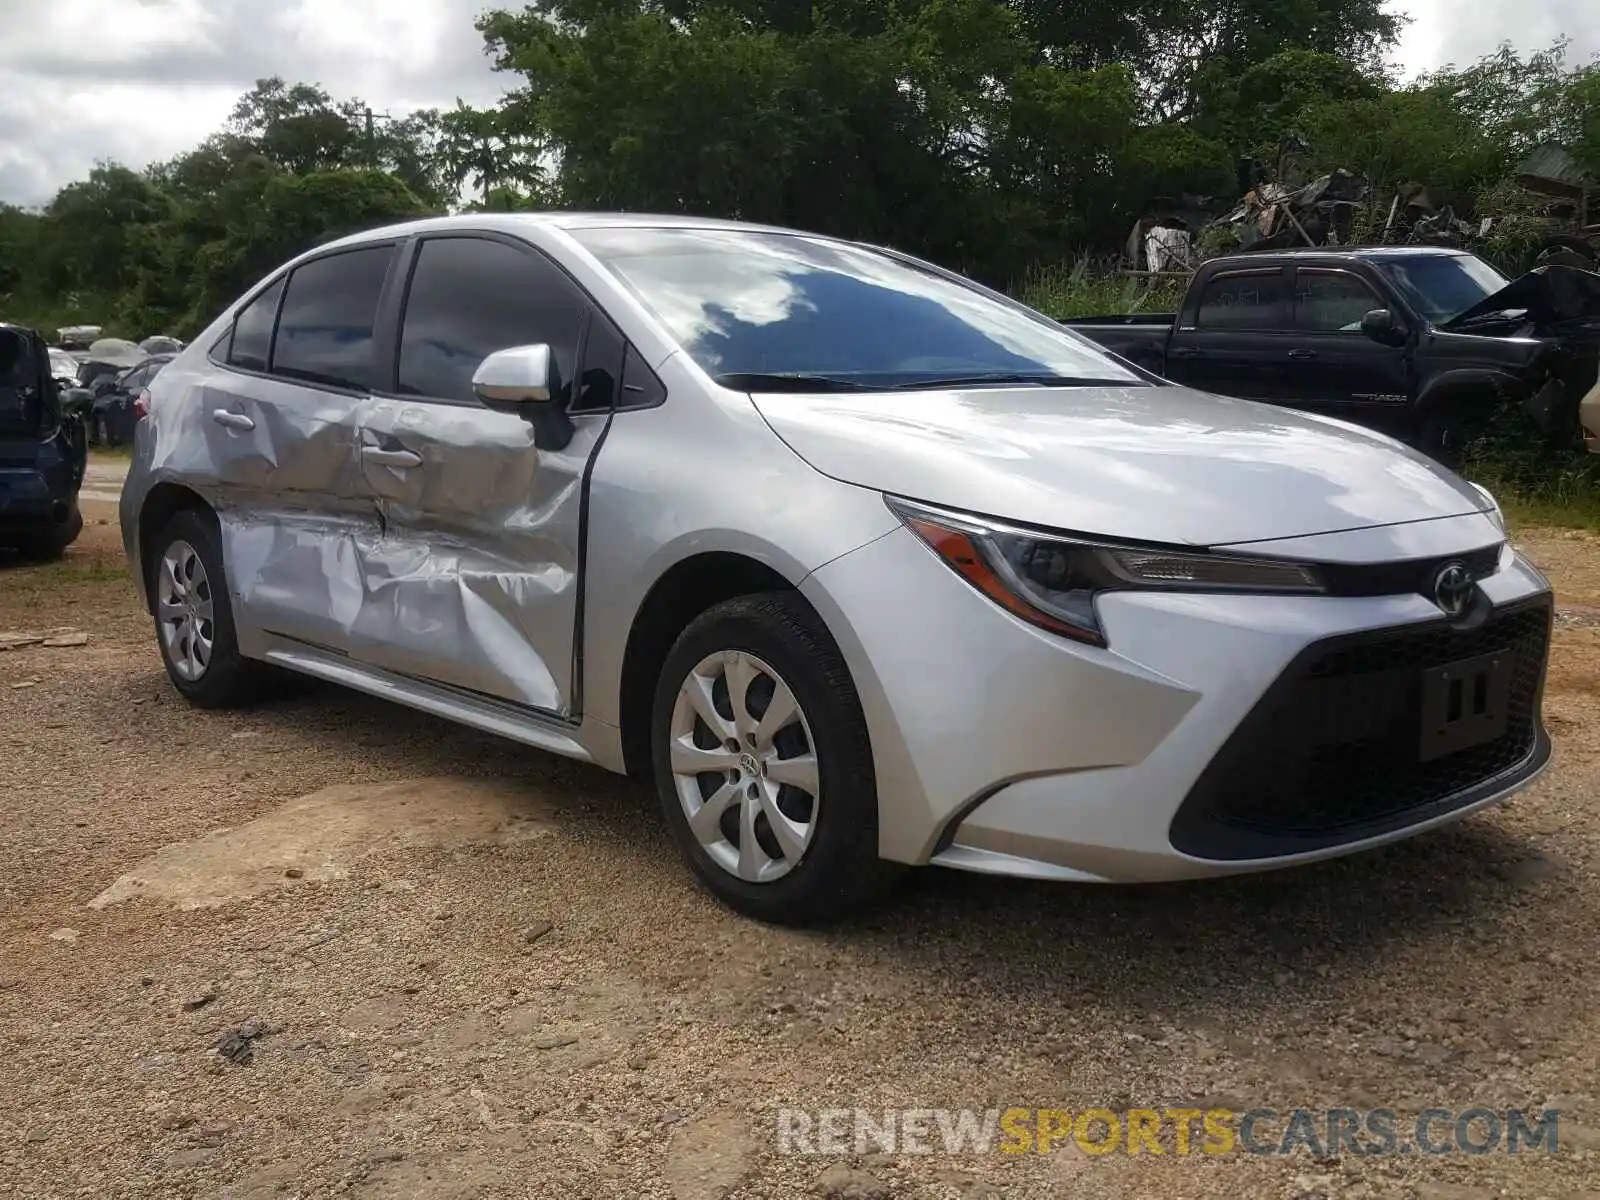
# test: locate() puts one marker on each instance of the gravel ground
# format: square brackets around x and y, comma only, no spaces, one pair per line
[515,990]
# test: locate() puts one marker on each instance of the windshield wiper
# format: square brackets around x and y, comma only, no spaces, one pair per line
[1002,377]
[790,381]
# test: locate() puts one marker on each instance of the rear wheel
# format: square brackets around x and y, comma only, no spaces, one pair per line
[193,616]
[763,766]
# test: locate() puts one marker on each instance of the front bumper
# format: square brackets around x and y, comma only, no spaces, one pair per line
[1003,749]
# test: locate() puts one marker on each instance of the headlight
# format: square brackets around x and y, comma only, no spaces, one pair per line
[1052,581]
[1495,514]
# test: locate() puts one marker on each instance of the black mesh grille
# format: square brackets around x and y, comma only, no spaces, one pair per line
[1333,752]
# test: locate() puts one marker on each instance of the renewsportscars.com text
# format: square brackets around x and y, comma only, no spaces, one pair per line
[1318,1133]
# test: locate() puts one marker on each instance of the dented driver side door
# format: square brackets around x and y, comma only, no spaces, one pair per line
[474,581]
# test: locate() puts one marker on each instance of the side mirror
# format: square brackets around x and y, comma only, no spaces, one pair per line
[76,400]
[521,380]
[1382,327]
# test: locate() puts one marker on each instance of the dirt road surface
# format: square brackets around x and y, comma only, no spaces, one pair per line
[439,965]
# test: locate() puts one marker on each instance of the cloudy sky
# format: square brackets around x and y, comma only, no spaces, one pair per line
[141,80]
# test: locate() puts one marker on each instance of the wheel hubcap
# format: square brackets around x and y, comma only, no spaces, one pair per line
[744,766]
[184,610]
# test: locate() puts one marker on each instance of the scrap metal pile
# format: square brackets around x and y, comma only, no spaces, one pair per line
[1340,208]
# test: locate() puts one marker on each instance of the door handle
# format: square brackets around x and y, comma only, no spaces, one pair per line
[1302,354]
[232,420]
[391,458]
[1184,352]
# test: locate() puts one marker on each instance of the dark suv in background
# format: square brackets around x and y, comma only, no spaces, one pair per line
[121,402]
[42,450]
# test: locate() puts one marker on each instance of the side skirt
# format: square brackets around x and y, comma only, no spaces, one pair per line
[480,712]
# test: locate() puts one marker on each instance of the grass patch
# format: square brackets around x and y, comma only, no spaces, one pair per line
[1569,500]
[24,579]
[1089,289]
[1535,482]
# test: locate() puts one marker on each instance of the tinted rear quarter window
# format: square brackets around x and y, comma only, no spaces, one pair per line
[472,296]
[252,330]
[603,351]
[1247,300]
[325,330]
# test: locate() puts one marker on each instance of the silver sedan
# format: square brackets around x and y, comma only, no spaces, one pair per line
[863,564]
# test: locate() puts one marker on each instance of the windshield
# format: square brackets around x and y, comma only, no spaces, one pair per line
[746,304]
[1441,286]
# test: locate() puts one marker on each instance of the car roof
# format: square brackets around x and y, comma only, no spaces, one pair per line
[525,222]
[1358,252]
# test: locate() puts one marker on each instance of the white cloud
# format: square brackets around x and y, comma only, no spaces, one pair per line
[138,81]
[1442,32]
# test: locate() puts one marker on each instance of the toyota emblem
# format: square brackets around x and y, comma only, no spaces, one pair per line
[1452,588]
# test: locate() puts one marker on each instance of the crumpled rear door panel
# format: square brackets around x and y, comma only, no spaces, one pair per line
[280,461]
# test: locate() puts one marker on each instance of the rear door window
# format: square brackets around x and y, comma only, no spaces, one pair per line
[330,312]
[252,330]
[1254,300]
[471,296]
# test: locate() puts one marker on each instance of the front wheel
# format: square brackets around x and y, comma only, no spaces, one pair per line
[763,764]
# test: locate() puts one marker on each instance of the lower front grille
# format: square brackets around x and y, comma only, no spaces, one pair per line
[1332,753]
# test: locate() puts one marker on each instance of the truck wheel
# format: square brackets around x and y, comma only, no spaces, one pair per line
[1576,250]
[1450,427]
[1440,438]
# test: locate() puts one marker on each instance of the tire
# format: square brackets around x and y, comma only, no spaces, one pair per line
[1571,247]
[1449,429]
[781,643]
[51,544]
[1440,439]
[219,677]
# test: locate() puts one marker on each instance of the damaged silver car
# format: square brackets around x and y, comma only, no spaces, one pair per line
[864,564]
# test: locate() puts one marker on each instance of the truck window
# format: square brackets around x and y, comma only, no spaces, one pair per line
[1331,301]
[1244,300]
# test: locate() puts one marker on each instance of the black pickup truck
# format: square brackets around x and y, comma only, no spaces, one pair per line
[1423,343]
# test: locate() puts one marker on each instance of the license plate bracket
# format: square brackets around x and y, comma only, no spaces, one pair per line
[1465,703]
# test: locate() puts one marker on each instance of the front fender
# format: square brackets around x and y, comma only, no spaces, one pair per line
[1447,386]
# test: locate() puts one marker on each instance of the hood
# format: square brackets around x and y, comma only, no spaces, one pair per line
[1156,464]
[1550,295]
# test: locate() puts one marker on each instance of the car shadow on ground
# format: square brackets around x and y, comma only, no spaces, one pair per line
[1344,916]
[1211,943]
